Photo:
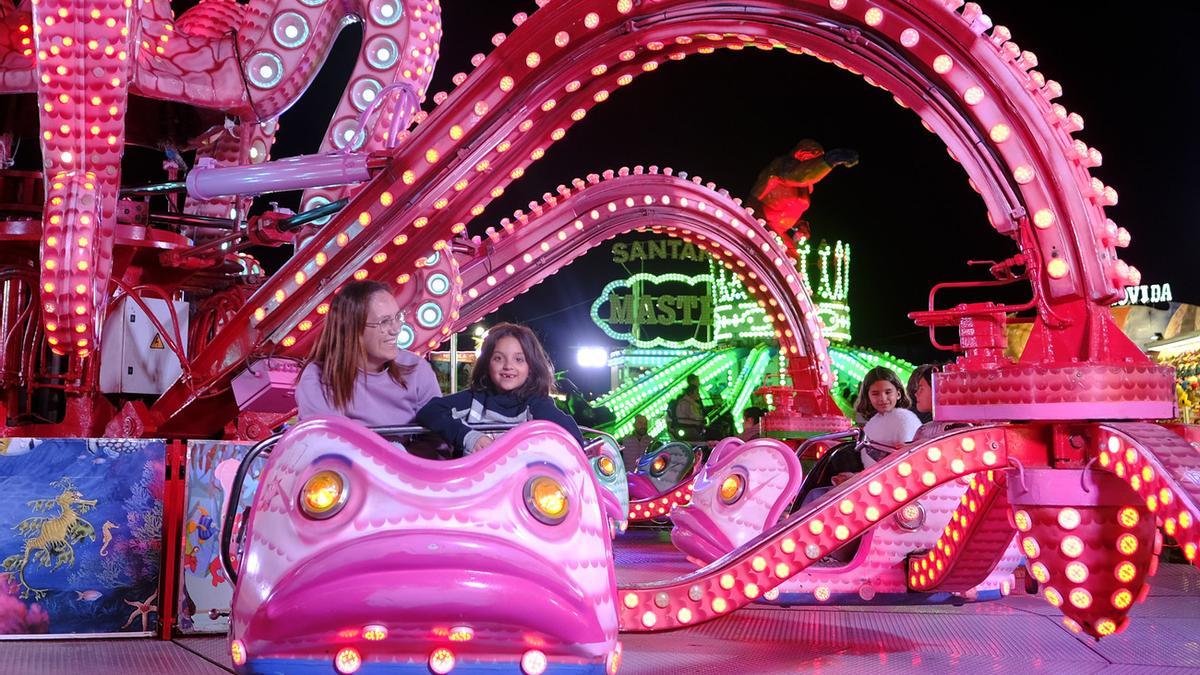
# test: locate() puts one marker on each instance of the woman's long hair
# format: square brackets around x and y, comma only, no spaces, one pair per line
[879,373]
[541,370]
[339,350]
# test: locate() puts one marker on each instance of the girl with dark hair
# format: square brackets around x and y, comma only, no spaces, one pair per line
[510,383]
[920,391]
[356,370]
[884,403]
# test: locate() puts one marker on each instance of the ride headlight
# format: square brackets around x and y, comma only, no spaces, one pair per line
[911,517]
[659,465]
[732,488]
[606,466]
[324,494]
[546,500]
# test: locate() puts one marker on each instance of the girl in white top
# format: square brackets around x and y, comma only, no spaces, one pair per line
[884,403]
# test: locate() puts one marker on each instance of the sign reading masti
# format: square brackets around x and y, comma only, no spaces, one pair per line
[654,310]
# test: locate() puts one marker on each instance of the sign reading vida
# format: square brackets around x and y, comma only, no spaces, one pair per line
[655,310]
[1146,294]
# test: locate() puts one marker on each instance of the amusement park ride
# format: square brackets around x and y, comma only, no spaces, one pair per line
[1063,446]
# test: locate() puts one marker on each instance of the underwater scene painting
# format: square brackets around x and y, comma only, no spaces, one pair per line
[80,535]
[205,594]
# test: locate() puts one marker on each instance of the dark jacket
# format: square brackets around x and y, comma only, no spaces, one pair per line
[449,416]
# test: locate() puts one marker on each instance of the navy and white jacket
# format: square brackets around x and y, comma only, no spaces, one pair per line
[449,416]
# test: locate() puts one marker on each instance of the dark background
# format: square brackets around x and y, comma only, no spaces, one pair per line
[906,208]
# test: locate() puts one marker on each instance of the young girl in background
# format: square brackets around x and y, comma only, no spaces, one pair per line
[884,403]
[510,383]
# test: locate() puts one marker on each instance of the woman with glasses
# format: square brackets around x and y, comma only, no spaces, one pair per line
[356,370]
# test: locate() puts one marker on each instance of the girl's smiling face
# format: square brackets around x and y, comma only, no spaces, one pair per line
[508,368]
[883,396]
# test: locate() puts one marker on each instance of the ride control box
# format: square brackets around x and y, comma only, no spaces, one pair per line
[135,357]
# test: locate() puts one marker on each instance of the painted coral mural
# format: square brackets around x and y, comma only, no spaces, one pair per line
[80,535]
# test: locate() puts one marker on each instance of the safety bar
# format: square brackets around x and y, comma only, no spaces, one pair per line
[853,432]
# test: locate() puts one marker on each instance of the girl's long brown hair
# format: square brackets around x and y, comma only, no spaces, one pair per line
[541,370]
[879,373]
[339,350]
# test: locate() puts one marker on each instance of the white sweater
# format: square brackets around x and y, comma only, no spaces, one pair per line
[893,428]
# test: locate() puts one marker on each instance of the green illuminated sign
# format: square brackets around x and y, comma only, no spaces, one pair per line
[652,310]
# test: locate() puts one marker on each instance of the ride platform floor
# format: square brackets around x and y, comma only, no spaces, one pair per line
[1018,634]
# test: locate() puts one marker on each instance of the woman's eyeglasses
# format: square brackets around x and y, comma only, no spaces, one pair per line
[388,323]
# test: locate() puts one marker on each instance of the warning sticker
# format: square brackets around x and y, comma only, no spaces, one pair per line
[157,342]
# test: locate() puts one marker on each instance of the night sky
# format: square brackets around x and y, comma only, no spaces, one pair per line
[906,208]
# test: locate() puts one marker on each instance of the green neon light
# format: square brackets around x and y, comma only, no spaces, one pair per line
[631,337]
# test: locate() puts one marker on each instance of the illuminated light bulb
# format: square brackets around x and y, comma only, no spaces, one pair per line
[631,600]
[1068,518]
[1185,520]
[841,532]
[1053,597]
[1164,496]
[900,494]
[822,593]
[846,506]
[431,155]
[942,64]
[347,660]
[1077,572]
[684,615]
[649,619]
[533,662]
[1031,547]
[719,605]
[1043,219]
[441,661]
[783,571]
[1131,456]
[928,478]
[237,650]
[875,488]
[1057,268]
[1071,546]
[1152,503]
[1000,133]
[1023,174]
[1127,544]
[1122,599]
[1081,598]
[873,17]
[1040,572]
[727,581]
[750,590]
[289,341]
[374,632]
[872,513]
[1189,551]
[933,454]
[816,527]
[905,469]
